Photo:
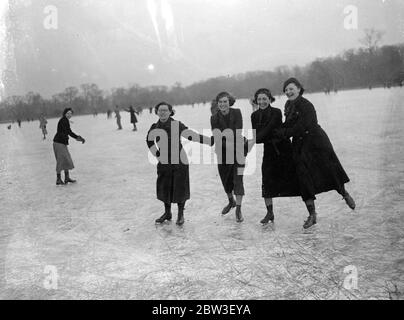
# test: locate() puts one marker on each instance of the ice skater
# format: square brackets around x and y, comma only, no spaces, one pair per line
[230,151]
[317,166]
[172,169]
[42,125]
[133,118]
[278,171]
[118,118]
[64,161]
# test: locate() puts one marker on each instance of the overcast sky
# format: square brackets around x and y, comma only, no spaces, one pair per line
[158,42]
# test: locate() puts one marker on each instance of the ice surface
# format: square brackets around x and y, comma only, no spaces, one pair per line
[100,234]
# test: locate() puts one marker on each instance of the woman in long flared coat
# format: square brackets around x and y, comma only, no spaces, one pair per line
[164,141]
[278,170]
[317,166]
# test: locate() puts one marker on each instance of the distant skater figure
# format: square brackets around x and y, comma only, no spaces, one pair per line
[19,123]
[42,125]
[172,183]
[60,141]
[109,112]
[278,170]
[133,118]
[231,155]
[151,110]
[317,166]
[118,118]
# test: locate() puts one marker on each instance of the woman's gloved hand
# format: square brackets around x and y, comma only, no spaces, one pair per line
[81,139]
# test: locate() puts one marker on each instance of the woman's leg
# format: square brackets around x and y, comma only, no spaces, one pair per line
[238,190]
[67,178]
[166,215]
[312,219]
[59,180]
[180,219]
[347,197]
[270,213]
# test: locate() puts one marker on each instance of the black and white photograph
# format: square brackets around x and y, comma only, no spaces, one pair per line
[222,151]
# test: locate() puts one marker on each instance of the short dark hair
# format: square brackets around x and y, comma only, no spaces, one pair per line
[232,100]
[163,103]
[67,110]
[265,91]
[296,82]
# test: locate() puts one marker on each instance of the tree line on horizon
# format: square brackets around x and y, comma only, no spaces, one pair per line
[366,67]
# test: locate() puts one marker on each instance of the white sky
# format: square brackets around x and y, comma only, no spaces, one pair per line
[114,43]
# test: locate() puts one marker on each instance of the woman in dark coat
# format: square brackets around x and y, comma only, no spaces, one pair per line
[133,118]
[317,166]
[230,168]
[164,141]
[60,141]
[278,171]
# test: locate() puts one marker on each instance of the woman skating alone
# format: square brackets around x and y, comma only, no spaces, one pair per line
[42,125]
[317,166]
[118,118]
[278,171]
[164,141]
[230,152]
[64,161]
[133,118]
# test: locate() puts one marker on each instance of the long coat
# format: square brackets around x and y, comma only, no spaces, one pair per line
[317,166]
[172,184]
[278,170]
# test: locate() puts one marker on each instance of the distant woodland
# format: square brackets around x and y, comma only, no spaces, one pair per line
[367,67]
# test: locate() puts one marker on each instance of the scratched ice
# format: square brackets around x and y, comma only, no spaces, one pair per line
[101,237]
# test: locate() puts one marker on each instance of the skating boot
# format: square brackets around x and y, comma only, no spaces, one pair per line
[166,216]
[230,206]
[59,180]
[180,219]
[312,219]
[269,216]
[349,200]
[67,178]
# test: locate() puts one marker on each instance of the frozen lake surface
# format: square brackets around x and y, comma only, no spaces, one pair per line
[98,240]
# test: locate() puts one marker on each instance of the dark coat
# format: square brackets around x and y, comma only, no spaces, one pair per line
[132,112]
[234,122]
[172,184]
[317,166]
[64,131]
[278,171]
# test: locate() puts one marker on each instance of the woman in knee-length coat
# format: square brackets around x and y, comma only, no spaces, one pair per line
[317,166]
[164,141]
[278,170]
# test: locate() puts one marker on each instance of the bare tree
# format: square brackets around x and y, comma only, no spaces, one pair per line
[371,39]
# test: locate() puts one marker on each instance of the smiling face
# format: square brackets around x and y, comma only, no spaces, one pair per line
[263,101]
[292,91]
[224,105]
[163,112]
[69,114]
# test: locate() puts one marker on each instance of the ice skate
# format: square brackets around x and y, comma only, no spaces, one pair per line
[164,217]
[229,206]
